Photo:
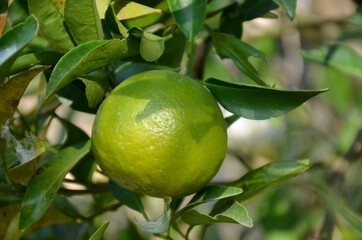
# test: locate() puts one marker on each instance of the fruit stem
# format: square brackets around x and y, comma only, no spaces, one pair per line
[188,58]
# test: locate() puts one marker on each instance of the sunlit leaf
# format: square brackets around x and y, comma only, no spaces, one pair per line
[12,90]
[100,231]
[52,26]
[152,46]
[27,61]
[158,226]
[113,23]
[96,85]
[43,187]
[218,5]
[87,57]
[13,41]
[257,102]
[261,180]
[231,212]
[208,194]
[83,20]
[189,15]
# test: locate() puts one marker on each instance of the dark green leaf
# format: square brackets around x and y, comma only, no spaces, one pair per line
[152,46]
[128,69]
[231,119]
[128,198]
[113,23]
[100,231]
[158,226]
[340,57]
[52,26]
[87,57]
[230,21]
[84,169]
[73,95]
[256,102]
[228,46]
[12,90]
[174,49]
[189,15]
[38,58]
[13,41]
[256,8]
[83,20]
[218,5]
[43,187]
[288,7]
[231,212]
[263,179]
[208,194]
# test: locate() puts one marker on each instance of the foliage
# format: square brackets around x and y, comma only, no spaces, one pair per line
[70,54]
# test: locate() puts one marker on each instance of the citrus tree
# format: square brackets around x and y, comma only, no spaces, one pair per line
[153,75]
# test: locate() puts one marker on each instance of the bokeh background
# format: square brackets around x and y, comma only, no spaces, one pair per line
[323,203]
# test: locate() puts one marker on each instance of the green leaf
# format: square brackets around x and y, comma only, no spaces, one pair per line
[231,212]
[340,57]
[87,57]
[13,41]
[228,46]
[113,23]
[43,187]
[100,231]
[158,226]
[288,7]
[60,4]
[218,5]
[152,46]
[256,8]
[12,90]
[84,169]
[52,26]
[208,194]
[135,10]
[96,85]
[128,198]
[261,180]
[83,20]
[230,22]
[257,102]
[27,61]
[189,15]
[231,119]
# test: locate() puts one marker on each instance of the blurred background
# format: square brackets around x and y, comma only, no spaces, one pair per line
[323,203]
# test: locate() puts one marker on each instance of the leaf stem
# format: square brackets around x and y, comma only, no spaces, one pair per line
[188,232]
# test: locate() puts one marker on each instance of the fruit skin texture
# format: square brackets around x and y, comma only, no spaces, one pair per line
[161,134]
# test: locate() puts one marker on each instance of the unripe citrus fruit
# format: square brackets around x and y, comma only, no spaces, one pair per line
[159,133]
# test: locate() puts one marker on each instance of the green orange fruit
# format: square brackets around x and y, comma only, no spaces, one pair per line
[160,133]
